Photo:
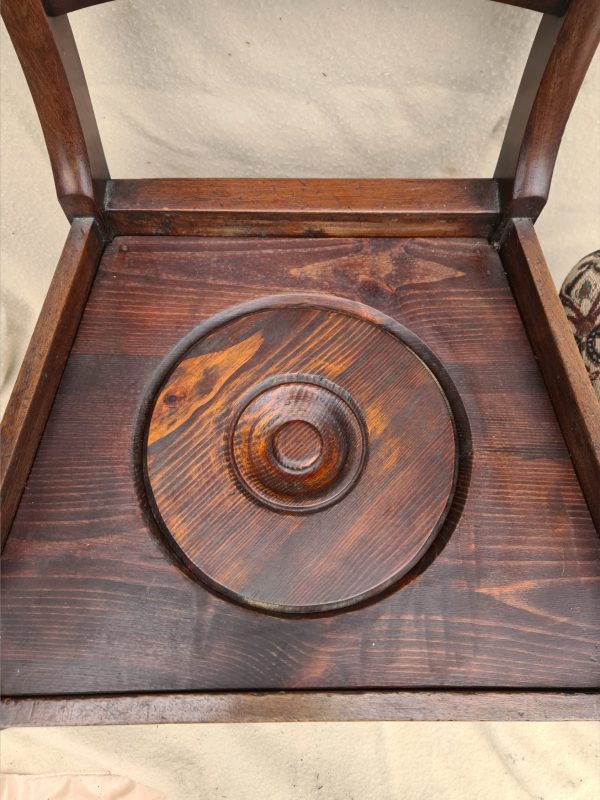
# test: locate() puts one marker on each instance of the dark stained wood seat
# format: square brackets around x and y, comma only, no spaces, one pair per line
[318,449]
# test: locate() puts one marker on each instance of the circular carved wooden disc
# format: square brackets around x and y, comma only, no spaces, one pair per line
[299,454]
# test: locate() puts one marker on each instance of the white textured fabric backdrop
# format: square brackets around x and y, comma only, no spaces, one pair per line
[316,761]
[319,88]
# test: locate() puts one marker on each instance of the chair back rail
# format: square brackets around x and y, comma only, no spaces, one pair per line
[558,7]
[555,7]
[54,8]
[560,57]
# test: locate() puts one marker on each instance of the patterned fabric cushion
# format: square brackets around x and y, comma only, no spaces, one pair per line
[580,295]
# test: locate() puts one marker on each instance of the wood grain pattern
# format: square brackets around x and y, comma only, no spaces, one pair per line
[296,207]
[368,501]
[94,602]
[50,62]
[568,383]
[39,376]
[300,707]
[575,45]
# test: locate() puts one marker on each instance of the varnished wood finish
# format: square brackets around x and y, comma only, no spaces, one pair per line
[38,379]
[93,602]
[567,65]
[295,207]
[51,64]
[568,383]
[300,707]
[369,490]
[55,8]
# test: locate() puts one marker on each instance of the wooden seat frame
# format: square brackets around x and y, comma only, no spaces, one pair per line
[501,209]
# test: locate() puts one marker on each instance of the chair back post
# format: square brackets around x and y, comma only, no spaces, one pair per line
[559,59]
[50,61]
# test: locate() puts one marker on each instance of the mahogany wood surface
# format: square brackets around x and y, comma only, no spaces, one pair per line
[300,707]
[48,55]
[38,379]
[508,594]
[302,207]
[275,427]
[552,339]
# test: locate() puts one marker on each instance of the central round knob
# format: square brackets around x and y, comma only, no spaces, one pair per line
[297,445]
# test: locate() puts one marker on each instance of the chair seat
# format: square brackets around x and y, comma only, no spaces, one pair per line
[119,609]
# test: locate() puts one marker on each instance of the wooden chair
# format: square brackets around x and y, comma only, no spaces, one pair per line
[281,449]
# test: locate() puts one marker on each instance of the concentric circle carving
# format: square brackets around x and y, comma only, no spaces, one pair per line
[300,454]
[298,445]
